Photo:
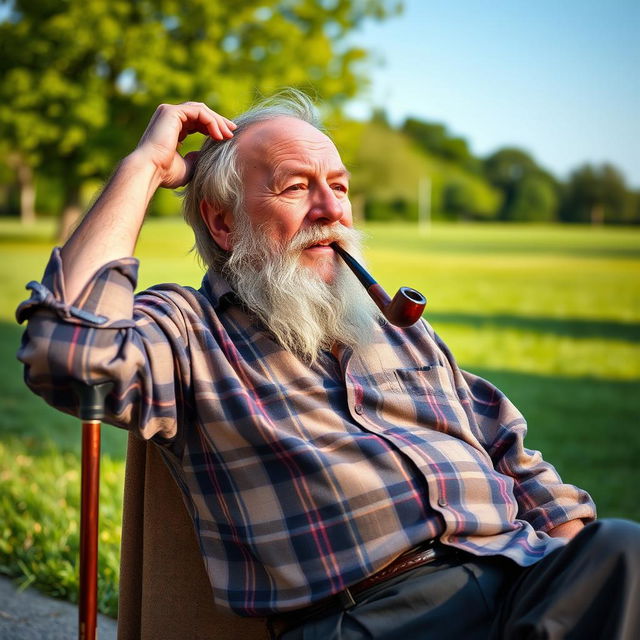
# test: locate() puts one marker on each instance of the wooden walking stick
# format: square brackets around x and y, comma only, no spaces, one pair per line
[91,409]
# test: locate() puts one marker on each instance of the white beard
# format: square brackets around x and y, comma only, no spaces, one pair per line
[305,314]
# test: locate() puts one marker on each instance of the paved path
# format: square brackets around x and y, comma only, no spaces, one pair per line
[28,615]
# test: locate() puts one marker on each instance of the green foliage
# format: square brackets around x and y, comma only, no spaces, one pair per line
[508,166]
[70,69]
[598,195]
[388,167]
[468,197]
[529,192]
[434,139]
[165,203]
[81,79]
[39,512]
[535,199]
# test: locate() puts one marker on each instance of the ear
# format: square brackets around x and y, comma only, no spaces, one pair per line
[218,222]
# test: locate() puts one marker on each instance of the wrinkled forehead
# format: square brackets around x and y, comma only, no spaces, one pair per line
[267,144]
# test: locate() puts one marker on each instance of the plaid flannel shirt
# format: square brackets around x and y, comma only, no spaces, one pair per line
[300,480]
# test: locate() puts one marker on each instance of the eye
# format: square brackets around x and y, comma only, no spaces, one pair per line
[296,187]
[339,187]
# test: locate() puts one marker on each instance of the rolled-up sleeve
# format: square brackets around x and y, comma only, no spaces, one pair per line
[105,335]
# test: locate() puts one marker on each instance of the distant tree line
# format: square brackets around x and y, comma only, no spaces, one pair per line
[592,194]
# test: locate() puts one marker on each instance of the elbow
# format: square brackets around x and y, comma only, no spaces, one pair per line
[55,355]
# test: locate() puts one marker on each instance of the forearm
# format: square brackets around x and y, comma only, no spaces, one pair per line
[110,229]
[567,529]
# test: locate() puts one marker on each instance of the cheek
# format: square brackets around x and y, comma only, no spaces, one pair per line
[264,216]
[276,232]
[282,230]
[286,224]
[280,217]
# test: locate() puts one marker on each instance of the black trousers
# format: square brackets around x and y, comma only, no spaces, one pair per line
[590,589]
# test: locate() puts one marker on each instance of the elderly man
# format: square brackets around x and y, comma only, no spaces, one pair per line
[345,478]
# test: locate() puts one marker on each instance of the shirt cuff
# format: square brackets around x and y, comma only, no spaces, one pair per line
[566,508]
[106,301]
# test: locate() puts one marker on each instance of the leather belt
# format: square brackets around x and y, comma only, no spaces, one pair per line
[415,557]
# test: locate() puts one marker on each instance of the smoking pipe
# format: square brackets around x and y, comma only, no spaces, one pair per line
[407,305]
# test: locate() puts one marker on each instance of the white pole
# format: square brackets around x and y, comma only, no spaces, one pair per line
[424,205]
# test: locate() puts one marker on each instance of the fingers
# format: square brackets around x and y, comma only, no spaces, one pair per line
[199,117]
[170,125]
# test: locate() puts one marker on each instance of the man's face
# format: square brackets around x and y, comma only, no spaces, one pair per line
[294,179]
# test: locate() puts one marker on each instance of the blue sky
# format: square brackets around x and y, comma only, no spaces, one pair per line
[560,78]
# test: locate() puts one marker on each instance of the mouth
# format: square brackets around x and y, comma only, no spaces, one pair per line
[323,245]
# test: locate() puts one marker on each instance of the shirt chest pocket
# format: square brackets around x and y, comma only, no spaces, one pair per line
[429,380]
[412,398]
[427,399]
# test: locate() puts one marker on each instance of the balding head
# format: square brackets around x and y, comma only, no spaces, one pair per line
[261,137]
[272,149]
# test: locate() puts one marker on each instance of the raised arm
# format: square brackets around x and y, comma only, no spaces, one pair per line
[110,229]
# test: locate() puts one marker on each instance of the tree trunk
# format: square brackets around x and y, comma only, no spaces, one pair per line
[597,214]
[71,212]
[27,193]
[26,187]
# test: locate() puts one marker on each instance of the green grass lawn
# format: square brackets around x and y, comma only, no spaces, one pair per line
[549,314]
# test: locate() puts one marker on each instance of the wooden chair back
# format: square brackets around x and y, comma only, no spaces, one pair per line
[164,589]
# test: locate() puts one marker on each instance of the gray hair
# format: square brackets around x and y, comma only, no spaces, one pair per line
[217,177]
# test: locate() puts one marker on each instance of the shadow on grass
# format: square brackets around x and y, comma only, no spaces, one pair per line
[473,241]
[573,327]
[522,249]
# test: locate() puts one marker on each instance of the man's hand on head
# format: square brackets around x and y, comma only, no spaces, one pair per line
[168,127]
[110,229]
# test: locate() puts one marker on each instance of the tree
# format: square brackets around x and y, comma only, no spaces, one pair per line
[536,199]
[598,194]
[389,168]
[634,207]
[466,197]
[435,139]
[429,135]
[458,199]
[530,192]
[71,69]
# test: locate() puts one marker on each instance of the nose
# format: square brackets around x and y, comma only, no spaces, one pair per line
[326,206]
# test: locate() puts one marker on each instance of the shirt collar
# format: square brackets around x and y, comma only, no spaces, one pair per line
[218,291]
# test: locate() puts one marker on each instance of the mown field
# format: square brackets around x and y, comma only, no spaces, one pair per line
[549,314]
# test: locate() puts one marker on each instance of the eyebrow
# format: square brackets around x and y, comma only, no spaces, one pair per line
[340,173]
[301,171]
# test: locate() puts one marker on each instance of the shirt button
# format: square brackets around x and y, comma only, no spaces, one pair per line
[442,502]
[359,409]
